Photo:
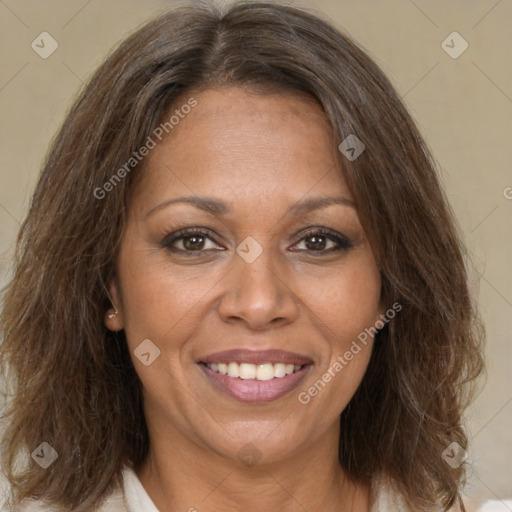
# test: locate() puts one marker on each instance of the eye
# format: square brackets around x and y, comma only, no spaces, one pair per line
[191,240]
[322,240]
[200,240]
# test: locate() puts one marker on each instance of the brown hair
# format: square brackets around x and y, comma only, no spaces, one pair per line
[70,381]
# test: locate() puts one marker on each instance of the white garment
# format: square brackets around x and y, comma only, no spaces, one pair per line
[134,498]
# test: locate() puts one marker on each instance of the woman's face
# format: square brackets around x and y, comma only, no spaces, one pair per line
[270,273]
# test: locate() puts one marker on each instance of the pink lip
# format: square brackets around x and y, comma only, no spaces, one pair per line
[256,357]
[252,390]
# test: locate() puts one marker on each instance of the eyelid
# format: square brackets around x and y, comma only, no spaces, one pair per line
[189,231]
[341,240]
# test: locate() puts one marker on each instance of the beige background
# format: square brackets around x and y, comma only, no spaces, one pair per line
[463,107]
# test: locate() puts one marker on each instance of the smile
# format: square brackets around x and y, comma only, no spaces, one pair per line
[247,371]
[255,376]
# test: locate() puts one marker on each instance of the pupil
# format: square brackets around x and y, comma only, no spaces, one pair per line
[315,242]
[193,242]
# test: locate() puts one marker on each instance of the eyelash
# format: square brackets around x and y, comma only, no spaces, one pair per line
[343,243]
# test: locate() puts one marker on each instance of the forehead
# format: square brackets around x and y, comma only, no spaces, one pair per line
[247,144]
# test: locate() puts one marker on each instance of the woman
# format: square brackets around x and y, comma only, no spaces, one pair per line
[239,285]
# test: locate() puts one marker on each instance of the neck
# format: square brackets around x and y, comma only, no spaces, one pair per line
[183,476]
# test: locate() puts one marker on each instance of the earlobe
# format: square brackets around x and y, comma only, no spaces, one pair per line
[113,320]
[113,317]
[381,319]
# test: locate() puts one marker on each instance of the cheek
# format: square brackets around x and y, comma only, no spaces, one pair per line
[346,301]
[346,306]
[160,300]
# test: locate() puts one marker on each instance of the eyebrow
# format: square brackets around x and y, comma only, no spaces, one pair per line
[216,207]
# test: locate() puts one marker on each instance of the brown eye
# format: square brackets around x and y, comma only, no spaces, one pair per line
[322,241]
[316,243]
[193,243]
[191,240]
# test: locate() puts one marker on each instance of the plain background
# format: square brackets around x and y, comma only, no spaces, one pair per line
[463,107]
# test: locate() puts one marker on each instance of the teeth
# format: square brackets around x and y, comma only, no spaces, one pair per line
[279,370]
[265,371]
[247,371]
[233,370]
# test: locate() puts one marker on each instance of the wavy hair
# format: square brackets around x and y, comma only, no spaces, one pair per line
[70,382]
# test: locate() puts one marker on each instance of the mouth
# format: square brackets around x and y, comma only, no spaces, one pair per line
[248,371]
[255,377]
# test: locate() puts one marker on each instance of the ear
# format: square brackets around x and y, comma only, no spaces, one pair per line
[387,314]
[382,313]
[114,316]
[380,321]
[382,310]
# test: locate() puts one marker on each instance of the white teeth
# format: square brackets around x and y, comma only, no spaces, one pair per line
[279,370]
[247,371]
[233,370]
[265,372]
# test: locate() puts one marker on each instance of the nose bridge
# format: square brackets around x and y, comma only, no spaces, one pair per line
[256,293]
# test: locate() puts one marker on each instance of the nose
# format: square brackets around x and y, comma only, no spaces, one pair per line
[257,295]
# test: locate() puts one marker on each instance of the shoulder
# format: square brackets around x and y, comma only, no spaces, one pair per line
[130,496]
[386,498]
[111,504]
[115,502]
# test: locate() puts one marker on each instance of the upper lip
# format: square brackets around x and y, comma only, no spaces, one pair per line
[256,357]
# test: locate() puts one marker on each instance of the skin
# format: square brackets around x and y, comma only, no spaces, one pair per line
[259,154]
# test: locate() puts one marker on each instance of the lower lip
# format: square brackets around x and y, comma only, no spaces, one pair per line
[252,390]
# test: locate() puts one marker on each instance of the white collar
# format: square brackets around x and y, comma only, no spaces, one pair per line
[137,499]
